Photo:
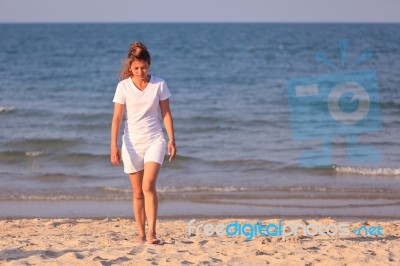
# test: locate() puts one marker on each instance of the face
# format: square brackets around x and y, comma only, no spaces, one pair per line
[140,69]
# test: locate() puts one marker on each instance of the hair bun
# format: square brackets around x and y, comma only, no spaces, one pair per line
[136,46]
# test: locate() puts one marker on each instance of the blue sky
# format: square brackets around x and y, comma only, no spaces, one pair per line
[200,11]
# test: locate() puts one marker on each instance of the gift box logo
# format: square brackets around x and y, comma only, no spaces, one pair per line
[339,104]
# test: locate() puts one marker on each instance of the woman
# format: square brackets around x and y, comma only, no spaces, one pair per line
[143,144]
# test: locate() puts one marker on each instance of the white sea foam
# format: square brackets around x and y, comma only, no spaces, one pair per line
[6,109]
[167,189]
[33,153]
[202,189]
[117,189]
[368,171]
[61,197]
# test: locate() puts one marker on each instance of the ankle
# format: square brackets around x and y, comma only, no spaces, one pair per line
[151,233]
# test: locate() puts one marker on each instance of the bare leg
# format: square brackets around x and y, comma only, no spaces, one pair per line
[138,203]
[151,170]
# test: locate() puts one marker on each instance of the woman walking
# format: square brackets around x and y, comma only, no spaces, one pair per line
[142,97]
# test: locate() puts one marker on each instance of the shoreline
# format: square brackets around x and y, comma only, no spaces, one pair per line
[190,210]
[351,219]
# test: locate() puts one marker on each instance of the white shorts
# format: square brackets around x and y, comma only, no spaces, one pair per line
[134,156]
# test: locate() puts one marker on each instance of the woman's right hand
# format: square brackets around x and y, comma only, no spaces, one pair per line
[115,156]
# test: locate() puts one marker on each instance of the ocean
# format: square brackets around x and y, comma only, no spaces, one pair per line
[238,155]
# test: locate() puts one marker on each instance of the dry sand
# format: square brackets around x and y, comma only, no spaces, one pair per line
[113,242]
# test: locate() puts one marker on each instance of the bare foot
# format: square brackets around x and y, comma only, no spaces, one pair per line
[152,239]
[141,239]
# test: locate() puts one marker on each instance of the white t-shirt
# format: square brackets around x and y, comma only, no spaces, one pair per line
[142,108]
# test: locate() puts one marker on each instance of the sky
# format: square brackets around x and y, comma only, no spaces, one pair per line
[352,11]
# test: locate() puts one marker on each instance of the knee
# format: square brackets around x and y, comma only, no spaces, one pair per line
[138,195]
[149,188]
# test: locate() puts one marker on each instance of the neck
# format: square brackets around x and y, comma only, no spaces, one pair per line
[141,80]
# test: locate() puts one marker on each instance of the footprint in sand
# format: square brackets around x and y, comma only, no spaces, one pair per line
[136,250]
[203,242]
[56,254]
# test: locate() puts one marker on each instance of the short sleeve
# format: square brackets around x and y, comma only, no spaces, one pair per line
[164,91]
[119,96]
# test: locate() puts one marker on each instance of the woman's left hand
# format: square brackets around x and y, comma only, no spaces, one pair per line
[171,150]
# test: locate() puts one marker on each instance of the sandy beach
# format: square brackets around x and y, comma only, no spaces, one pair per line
[112,241]
[256,134]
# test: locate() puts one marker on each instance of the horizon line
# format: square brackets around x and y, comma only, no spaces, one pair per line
[199,22]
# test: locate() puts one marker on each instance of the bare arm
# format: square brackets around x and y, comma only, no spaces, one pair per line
[169,127]
[115,126]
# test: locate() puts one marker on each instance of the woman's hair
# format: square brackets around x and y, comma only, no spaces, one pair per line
[137,51]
